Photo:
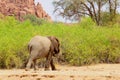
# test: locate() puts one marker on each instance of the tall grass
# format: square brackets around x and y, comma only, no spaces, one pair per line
[81,44]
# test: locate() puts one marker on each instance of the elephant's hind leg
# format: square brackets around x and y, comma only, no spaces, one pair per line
[30,61]
[52,65]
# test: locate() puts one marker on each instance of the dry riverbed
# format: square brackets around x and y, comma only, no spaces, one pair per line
[93,72]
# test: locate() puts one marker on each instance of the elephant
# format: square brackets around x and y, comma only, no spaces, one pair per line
[43,47]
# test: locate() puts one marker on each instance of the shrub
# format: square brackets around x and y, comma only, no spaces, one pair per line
[81,44]
[34,20]
[106,19]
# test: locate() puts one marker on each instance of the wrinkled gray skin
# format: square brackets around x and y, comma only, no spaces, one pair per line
[42,47]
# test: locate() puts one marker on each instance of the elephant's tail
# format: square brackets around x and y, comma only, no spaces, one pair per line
[29,48]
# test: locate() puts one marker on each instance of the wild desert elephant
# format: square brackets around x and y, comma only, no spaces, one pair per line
[43,47]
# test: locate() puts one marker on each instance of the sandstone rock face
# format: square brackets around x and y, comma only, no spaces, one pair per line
[20,8]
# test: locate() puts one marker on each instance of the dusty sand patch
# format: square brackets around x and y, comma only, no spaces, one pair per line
[94,72]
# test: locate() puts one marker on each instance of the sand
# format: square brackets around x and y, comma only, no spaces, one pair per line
[65,72]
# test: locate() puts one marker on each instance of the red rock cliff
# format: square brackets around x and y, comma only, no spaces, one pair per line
[20,8]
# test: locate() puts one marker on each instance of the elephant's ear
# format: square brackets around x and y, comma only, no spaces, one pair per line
[55,44]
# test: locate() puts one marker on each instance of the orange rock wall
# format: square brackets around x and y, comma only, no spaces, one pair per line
[20,8]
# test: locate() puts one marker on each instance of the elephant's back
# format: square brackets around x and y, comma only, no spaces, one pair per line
[40,43]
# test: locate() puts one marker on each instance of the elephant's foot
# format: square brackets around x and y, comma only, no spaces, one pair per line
[36,69]
[27,69]
[47,69]
[54,69]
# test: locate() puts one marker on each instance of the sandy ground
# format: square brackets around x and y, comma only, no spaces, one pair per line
[93,72]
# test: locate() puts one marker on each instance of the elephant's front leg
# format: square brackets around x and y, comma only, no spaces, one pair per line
[35,66]
[52,65]
[48,60]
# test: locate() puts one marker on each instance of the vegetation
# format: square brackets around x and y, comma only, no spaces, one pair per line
[81,44]
[76,9]
[34,19]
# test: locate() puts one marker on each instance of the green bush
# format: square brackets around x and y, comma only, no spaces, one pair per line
[34,20]
[106,19]
[81,44]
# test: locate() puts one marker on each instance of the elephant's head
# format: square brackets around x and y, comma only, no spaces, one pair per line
[55,46]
